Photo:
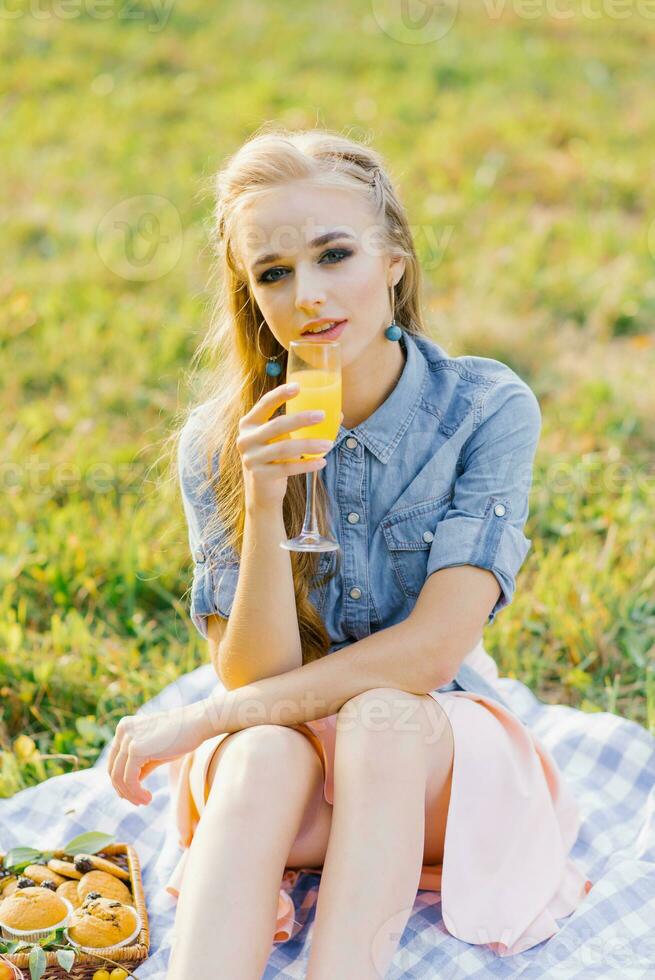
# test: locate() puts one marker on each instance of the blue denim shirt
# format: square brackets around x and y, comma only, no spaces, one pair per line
[438,475]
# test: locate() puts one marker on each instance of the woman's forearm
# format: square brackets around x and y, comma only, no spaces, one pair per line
[392,658]
[261,638]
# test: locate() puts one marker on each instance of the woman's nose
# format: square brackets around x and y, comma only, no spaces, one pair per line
[308,292]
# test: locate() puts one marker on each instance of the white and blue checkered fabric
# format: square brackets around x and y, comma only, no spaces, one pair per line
[608,761]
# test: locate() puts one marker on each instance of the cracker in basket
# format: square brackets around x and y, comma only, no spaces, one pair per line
[5,882]
[64,868]
[39,873]
[91,862]
[69,891]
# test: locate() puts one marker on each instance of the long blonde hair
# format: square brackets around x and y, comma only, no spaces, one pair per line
[237,377]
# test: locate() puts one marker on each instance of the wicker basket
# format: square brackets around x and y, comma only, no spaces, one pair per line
[126,956]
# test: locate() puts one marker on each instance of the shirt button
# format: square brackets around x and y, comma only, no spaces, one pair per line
[355,593]
[428,536]
[499,510]
[353,518]
[200,555]
[351,442]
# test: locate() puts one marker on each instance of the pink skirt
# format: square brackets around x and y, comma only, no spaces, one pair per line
[506,875]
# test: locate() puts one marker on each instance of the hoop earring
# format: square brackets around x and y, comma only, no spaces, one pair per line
[393,331]
[272,369]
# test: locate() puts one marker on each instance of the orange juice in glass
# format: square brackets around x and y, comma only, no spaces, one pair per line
[320,389]
[316,367]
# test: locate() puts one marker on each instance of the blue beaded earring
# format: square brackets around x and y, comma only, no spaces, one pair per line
[393,331]
[272,368]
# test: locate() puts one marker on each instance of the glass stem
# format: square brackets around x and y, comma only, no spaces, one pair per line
[309,524]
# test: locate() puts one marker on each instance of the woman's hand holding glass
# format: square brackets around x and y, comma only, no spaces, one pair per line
[267,465]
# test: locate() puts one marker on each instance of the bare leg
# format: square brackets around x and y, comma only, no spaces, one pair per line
[227,907]
[370,878]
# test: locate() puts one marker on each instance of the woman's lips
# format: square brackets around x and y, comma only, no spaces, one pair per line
[330,334]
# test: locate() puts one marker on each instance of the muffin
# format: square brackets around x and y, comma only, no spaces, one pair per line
[106,885]
[69,891]
[30,913]
[103,922]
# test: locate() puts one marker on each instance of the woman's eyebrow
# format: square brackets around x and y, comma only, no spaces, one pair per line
[321,240]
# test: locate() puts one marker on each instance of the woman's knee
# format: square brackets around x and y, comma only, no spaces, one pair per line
[260,759]
[386,709]
[384,723]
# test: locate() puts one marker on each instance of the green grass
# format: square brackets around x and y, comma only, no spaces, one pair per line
[523,151]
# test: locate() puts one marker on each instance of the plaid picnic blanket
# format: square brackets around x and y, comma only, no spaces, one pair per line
[610,763]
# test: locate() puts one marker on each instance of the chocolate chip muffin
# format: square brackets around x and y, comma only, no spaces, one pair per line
[102,922]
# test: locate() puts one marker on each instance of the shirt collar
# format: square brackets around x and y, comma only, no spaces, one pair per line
[382,431]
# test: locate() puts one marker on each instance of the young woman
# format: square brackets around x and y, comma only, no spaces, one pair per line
[357,729]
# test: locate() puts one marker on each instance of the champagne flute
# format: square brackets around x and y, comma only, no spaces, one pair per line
[315,365]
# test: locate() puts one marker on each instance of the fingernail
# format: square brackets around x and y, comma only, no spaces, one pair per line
[317,415]
[293,387]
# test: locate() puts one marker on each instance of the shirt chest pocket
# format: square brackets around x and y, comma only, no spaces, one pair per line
[408,535]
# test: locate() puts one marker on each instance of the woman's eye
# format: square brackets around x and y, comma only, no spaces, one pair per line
[265,275]
[341,253]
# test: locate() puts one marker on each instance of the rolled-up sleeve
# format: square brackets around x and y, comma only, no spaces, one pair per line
[215,564]
[484,524]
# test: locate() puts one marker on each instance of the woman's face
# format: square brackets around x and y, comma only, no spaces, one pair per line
[344,278]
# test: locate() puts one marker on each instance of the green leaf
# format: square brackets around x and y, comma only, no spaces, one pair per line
[88,843]
[37,962]
[50,938]
[66,958]
[20,857]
